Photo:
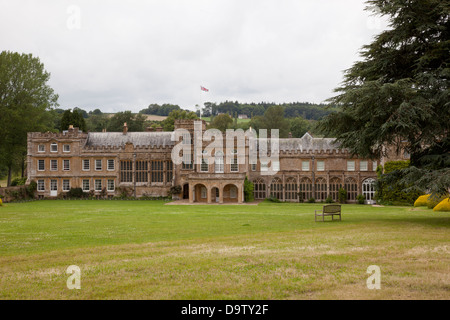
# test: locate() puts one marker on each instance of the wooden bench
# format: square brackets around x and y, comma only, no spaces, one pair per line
[328,210]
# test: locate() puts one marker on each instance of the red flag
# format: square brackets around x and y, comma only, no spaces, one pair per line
[204,89]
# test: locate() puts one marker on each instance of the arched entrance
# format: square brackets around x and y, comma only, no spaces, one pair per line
[200,193]
[230,193]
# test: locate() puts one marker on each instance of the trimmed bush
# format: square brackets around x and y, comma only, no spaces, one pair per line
[421,201]
[434,201]
[444,205]
[342,195]
[1,203]
[311,200]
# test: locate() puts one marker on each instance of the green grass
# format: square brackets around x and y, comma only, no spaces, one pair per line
[148,250]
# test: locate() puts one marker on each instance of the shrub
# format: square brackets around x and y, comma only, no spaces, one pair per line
[434,201]
[273,199]
[342,195]
[311,200]
[175,190]
[421,201]
[18,182]
[444,205]
[300,196]
[76,193]
[1,203]
[329,199]
[248,190]
[360,199]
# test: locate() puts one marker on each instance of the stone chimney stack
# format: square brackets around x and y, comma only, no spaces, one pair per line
[290,135]
[104,130]
[70,128]
[125,128]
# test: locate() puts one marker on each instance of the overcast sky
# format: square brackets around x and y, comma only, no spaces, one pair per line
[125,55]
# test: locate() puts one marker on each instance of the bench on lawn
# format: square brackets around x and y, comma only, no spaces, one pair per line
[328,210]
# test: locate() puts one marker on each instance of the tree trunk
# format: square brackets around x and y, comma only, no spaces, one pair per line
[9,175]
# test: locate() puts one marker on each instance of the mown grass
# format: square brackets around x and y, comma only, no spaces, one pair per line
[148,250]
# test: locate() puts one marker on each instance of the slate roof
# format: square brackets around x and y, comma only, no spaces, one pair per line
[163,139]
[306,143]
[118,139]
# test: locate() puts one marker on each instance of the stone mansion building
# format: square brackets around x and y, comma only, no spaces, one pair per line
[107,163]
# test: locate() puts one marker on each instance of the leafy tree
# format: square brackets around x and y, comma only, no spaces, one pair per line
[74,118]
[273,119]
[25,98]
[97,122]
[169,123]
[135,122]
[221,122]
[399,92]
[298,127]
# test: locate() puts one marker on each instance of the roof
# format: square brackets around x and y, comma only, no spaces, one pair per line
[118,139]
[306,143]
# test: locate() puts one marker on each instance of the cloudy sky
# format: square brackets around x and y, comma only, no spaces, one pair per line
[125,55]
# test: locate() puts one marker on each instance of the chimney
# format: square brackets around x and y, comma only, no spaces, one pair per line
[104,130]
[70,128]
[290,135]
[125,128]
[159,129]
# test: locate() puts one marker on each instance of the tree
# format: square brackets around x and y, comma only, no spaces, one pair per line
[74,118]
[135,122]
[169,123]
[24,99]
[298,127]
[274,119]
[221,122]
[399,92]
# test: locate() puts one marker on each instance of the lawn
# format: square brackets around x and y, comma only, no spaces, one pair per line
[149,250]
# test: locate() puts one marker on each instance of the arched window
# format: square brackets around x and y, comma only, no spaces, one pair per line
[259,189]
[351,188]
[368,188]
[335,185]
[321,189]
[276,188]
[218,162]
[291,189]
[306,189]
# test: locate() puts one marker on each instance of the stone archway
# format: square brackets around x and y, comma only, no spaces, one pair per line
[200,193]
[230,193]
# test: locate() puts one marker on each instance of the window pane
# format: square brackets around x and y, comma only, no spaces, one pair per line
[86,165]
[363,165]
[305,165]
[351,165]
[320,165]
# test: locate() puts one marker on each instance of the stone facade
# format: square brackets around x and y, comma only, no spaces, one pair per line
[140,163]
